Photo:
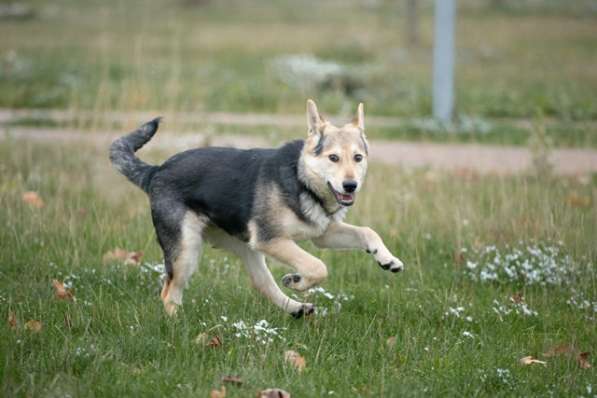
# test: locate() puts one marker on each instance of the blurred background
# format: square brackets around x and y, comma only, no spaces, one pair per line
[515,60]
[493,212]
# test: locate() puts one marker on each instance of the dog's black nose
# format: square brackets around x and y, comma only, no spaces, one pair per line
[349,186]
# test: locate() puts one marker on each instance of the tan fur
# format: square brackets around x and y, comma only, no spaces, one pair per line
[344,142]
[311,269]
[255,265]
[186,262]
[319,221]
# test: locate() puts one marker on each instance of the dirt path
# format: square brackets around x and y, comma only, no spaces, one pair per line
[484,159]
[225,118]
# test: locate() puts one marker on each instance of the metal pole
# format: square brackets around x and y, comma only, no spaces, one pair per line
[443,60]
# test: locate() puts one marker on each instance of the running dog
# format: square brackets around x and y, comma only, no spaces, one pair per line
[257,203]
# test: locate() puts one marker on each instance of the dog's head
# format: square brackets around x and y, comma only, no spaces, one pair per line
[335,158]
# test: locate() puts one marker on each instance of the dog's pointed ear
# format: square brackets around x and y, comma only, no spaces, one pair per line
[360,119]
[314,119]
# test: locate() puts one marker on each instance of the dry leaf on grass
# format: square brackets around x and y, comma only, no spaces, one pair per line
[221,393]
[33,326]
[391,342]
[273,393]
[12,320]
[215,342]
[119,255]
[459,257]
[583,360]
[295,359]
[530,360]
[60,290]
[33,199]
[559,350]
[576,200]
[517,298]
[204,340]
[232,380]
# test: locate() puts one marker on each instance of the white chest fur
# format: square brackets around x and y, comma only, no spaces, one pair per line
[317,220]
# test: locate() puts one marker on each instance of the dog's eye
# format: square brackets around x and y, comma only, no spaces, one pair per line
[334,158]
[358,157]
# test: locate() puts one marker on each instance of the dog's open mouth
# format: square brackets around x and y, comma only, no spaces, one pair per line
[345,199]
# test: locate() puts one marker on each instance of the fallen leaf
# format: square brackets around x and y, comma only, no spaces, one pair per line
[33,326]
[134,258]
[232,380]
[122,256]
[60,291]
[273,393]
[517,298]
[33,199]
[391,342]
[559,350]
[202,339]
[576,200]
[12,320]
[221,393]
[583,360]
[214,342]
[466,174]
[295,359]
[531,360]
[459,257]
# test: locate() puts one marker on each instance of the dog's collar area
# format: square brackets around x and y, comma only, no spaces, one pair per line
[319,200]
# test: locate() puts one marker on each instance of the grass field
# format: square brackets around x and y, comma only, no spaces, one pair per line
[521,60]
[497,268]
[456,319]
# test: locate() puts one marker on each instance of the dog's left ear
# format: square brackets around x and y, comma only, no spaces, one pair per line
[314,119]
[360,119]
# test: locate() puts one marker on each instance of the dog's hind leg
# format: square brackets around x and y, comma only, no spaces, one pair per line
[260,275]
[179,233]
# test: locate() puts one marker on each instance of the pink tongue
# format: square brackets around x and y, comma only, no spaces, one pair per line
[346,197]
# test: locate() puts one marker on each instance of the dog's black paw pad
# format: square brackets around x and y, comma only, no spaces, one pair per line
[290,279]
[298,314]
[306,310]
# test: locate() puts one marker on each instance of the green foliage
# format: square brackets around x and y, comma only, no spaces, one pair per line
[115,340]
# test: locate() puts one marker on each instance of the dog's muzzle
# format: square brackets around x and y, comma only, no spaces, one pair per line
[345,199]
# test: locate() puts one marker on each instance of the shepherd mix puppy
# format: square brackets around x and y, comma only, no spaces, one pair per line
[257,203]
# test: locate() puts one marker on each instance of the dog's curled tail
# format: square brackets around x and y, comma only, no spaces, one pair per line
[122,154]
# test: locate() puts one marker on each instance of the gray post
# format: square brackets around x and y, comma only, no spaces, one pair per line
[443,60]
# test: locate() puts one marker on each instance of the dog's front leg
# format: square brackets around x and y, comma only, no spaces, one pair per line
[311,270]
[346,236]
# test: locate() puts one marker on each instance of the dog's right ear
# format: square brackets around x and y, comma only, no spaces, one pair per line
[314,119]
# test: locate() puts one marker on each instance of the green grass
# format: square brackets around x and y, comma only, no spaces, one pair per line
[119,55]
[114,339]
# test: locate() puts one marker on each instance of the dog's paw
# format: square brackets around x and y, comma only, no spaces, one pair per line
[291,281]
[391,263]
[306,310]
